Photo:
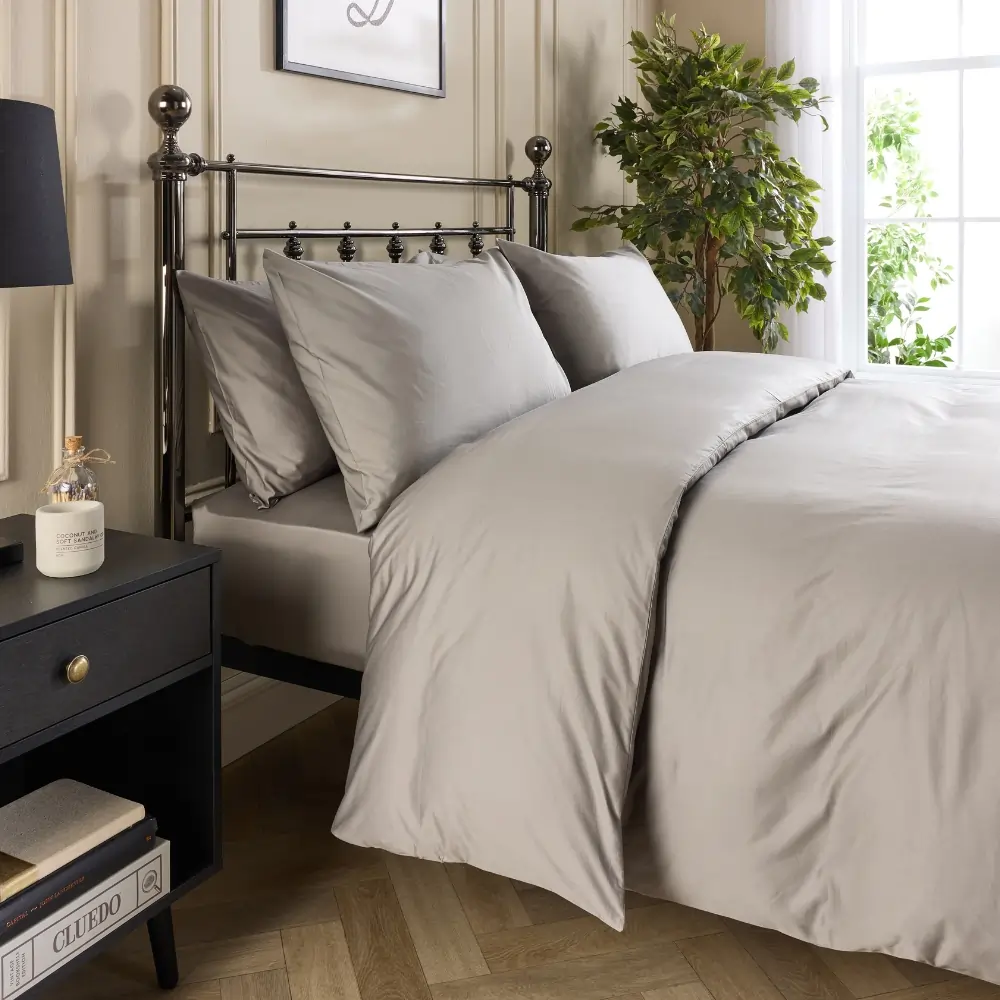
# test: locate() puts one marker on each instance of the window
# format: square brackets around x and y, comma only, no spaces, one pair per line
[926,182]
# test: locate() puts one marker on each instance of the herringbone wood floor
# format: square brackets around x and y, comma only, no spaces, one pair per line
[297,915]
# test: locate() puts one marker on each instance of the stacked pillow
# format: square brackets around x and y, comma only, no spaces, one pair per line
[403,364]
[271,428]
[599,314]
[385,369]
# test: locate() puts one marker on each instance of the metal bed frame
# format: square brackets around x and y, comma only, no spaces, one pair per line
[170,107]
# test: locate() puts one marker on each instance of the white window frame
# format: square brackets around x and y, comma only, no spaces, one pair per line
[855,222]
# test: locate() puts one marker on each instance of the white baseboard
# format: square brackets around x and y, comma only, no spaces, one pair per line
[256,709]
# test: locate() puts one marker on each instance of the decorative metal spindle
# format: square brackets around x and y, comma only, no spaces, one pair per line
[293,245]
[347,248]
[395,246]
[438,243]
[510,209]
[476,244]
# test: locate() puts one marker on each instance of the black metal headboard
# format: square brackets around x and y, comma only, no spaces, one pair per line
[170,108]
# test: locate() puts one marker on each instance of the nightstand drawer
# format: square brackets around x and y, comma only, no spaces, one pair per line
[126,643]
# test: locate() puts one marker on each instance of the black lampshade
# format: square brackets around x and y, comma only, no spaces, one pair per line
[34,245]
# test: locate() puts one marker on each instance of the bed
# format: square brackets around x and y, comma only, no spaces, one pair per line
[673,622]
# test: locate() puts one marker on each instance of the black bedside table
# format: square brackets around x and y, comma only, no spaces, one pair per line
[144,721]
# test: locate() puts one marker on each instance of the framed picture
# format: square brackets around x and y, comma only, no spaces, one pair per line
[397,44]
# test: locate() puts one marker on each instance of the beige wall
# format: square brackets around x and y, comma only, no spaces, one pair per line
[515,67]
[735,21]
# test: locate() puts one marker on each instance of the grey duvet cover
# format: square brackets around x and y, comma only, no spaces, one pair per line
[721,628]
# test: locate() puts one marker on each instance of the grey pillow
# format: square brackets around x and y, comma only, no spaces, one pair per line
[270,424]
[405,364]
[599,314]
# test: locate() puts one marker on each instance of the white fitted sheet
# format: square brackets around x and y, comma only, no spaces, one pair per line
[294,577]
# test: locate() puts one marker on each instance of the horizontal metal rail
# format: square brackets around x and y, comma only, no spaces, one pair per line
[273,170]
[324,234]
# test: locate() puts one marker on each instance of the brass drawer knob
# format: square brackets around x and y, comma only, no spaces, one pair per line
[77,669]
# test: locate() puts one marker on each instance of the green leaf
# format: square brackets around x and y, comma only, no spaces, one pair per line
[733,53]
[786,70]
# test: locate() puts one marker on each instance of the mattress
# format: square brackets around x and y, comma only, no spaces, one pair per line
[294,577]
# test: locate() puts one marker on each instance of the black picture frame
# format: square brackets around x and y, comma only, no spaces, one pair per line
[282,62]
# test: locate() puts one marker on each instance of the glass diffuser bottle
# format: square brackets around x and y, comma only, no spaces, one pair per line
[74,479]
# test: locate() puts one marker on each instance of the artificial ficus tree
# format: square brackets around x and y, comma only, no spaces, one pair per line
[720,212]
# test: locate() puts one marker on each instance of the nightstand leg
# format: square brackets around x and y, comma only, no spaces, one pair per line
[161,940]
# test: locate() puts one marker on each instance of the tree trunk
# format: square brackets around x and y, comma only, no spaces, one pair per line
[712,248]
[699,333]
[701,322]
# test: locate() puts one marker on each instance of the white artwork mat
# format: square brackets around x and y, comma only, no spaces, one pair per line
[397,41]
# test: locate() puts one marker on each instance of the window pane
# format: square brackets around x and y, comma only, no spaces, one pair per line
[981,343]
[982,28]
[907,263]
[912,146]
[908,30]
[982,142]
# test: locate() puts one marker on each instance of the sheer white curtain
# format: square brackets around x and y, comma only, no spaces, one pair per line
[812,33]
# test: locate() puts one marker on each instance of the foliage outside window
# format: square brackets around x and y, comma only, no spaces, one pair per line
[898,255]
[720,212]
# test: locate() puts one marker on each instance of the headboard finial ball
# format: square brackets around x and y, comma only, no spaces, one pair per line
[538,149]
[170,106]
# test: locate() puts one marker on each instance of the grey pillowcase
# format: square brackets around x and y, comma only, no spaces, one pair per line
[405,364]
[599,314]
[270,424]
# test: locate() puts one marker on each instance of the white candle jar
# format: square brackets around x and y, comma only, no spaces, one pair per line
[69,538]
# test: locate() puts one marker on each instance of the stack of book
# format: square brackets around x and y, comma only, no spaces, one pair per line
[75,862]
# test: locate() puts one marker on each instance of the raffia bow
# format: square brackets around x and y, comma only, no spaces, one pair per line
[96,456]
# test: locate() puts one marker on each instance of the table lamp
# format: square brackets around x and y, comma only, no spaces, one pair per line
[34,244]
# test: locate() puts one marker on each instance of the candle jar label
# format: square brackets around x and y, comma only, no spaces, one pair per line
[68,542]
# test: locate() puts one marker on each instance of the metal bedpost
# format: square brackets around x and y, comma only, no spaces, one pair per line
[538,150]
[170,108]
[229,474]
